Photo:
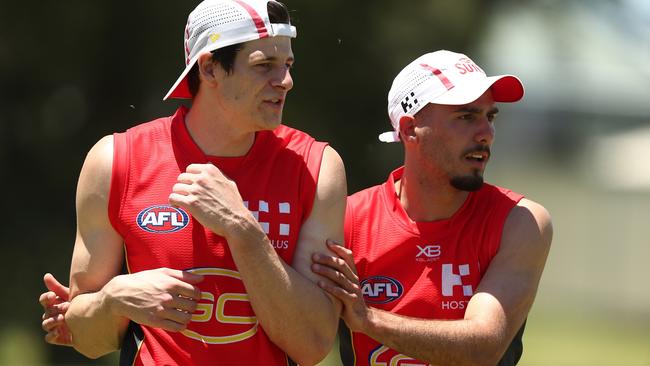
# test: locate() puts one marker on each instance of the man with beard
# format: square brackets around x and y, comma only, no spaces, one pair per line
[439,267]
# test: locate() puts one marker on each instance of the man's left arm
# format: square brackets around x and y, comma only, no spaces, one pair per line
[493,316]
[298,316]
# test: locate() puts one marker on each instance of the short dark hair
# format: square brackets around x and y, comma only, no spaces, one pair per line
[225,56]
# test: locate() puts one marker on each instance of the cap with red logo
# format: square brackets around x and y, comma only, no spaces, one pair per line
[215,24]
[444,77]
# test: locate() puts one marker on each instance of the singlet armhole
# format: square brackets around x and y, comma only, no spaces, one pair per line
[118,180]
[348,231]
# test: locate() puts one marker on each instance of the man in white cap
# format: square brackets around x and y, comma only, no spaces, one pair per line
[439,267]
[215,210]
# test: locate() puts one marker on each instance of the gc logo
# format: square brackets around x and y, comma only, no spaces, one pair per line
[384,356]
[230,317]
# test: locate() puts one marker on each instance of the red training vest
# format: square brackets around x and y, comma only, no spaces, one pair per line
[277,181]
[419,269]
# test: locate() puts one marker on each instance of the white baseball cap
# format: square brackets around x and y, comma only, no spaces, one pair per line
[215,24]
[443,77]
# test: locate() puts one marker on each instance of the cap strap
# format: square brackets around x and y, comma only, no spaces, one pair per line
[283,29]
[390,136]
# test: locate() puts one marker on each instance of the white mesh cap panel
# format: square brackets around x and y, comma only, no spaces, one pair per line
[211,15]
[219,15]
[405,96]
[410,83]
[215,24]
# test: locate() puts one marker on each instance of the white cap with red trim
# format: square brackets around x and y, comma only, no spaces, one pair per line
[443,77]
[215,24]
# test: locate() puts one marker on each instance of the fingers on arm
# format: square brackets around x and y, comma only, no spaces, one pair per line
[46,299]
[343,252]
[55,286]
[336,269]
[52,322]
[59,339]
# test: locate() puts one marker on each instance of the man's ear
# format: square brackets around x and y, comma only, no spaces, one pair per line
[407,129]
[209,70]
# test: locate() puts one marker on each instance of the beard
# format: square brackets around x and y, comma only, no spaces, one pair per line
[467,183]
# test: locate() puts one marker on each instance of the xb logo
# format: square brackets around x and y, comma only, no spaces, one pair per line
[428,253]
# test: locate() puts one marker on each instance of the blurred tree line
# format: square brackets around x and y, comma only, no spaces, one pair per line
[73,71]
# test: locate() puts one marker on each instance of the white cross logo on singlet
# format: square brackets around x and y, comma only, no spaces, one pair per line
[263,206]
[450,279]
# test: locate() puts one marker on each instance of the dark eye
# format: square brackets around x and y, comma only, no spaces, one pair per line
[491,117]
[264,66]
[466,117]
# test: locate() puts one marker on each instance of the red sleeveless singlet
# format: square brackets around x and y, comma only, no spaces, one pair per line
[277,181]
[419,269]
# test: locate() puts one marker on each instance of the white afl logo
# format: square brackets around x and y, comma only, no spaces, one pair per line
[162,219]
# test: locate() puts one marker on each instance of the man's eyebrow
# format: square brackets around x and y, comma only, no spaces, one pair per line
[271,59]
[466,109]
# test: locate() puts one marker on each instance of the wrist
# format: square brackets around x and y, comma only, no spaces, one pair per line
[372,323]
[108,297]
[246,230]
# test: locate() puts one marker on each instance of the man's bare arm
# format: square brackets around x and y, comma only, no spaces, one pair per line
[296,314]
[96,259]
[102,303]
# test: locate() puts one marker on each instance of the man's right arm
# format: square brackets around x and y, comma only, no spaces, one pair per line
[96,259]
[102,303]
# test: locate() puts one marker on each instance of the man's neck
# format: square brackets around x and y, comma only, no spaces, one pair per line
[428,198]
[214,134]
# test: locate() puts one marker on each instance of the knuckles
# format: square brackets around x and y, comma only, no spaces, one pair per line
[186,318]
[193,306]
[177,327]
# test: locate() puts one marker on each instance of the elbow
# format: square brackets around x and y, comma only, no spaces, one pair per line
[92,354]
[93,347]
[97,349]
[309,358]
[312,353]
[481,360]
[487,355]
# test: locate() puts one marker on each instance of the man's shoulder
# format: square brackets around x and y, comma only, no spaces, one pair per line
[152,125]
[291,136]
[490,192]
[524,206]
[529,222]
[531,212]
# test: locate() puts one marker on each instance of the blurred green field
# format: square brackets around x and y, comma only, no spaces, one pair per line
[585,341]
[549,340]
